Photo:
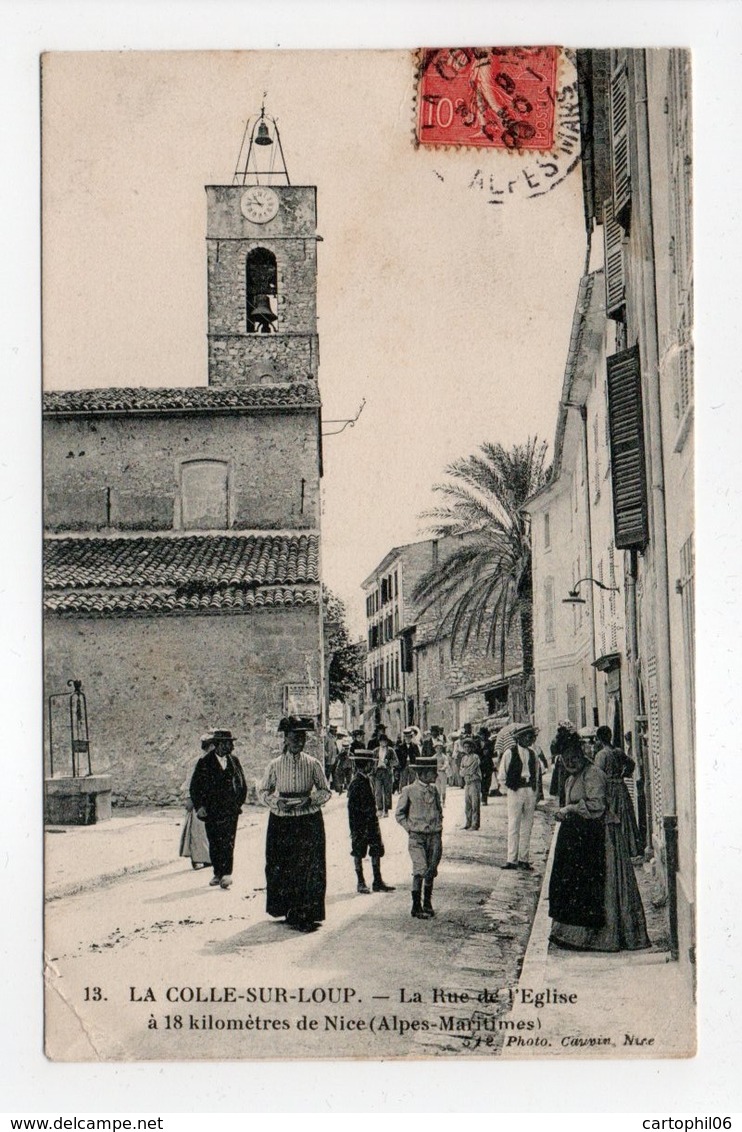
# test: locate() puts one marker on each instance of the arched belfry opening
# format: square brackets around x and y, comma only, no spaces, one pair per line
[261,292]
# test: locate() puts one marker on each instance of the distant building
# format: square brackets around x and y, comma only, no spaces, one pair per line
[182,525]
[412,677]
[390,618]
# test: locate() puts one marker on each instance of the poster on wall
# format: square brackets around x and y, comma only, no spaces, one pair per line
[368,541]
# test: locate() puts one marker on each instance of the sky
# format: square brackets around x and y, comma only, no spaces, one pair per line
[448,315]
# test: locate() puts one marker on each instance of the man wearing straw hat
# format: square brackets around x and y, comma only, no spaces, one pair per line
[519,775]
[365,835]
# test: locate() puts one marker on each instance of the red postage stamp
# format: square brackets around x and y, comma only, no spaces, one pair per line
[496,97]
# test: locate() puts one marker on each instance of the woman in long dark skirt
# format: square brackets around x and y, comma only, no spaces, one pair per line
[594,900]
[611,762]
[294,790]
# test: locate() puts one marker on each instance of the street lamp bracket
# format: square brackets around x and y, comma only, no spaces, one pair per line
[573,597]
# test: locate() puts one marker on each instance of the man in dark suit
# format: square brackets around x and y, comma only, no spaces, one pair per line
[218,791]
[486,762]
[407,756]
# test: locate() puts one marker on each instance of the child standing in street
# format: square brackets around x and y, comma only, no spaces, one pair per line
[471,772]
[365,835]
[420,813]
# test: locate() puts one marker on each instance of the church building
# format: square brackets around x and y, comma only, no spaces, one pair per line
[181,525]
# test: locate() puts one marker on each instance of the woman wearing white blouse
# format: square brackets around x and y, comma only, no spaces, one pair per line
[295,790]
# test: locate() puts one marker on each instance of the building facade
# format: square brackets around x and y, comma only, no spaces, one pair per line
[580,642]
[182,577]
[635,112]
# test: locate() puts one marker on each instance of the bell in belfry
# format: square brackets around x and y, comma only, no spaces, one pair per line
[262,136]
[262,314]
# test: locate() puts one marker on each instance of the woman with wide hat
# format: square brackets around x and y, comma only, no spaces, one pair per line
[294,790]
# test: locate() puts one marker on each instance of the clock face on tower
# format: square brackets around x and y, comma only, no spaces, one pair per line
[259,204]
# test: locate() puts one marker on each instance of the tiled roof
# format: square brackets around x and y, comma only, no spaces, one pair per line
[227,600]
[236,398]
[190,573]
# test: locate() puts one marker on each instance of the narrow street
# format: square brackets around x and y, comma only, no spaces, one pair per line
[371,982]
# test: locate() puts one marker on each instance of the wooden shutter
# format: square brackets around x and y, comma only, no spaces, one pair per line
[615,280]
[407,654]
[620,146]
[548,609]
[572,703]
[628,469]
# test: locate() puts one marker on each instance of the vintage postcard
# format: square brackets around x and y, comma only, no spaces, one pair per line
[368,554]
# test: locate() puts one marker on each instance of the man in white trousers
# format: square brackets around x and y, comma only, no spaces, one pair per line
[518,774]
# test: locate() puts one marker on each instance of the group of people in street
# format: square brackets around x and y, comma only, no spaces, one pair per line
[594,898]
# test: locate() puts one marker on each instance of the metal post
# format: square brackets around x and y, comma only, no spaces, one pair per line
[51,741]
[670,823]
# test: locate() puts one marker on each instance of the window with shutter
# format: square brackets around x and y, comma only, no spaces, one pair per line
[551,702]
[572,703]
[620,146]
[628,469]
[548,609]
[407,653]
[615,280]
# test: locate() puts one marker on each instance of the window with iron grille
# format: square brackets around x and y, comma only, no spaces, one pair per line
[628,469]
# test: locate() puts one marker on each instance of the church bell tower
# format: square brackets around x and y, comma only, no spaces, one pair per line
[261,236]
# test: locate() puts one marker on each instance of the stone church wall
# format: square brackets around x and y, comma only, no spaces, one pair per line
[154,685]
[124,473]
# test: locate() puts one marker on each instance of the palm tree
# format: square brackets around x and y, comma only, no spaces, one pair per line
[486,582]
